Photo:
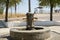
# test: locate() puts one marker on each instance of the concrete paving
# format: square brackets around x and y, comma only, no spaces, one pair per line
[4,32]
[54,36]
[55,29]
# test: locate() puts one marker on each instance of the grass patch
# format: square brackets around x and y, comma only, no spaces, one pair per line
[12,15]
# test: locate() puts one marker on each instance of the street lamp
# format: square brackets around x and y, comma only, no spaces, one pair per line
[29,5]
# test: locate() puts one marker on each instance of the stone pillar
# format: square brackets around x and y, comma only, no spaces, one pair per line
[29,20]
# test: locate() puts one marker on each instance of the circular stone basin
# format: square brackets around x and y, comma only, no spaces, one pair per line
[22,34]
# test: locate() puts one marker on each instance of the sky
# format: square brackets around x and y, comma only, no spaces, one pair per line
[23,7]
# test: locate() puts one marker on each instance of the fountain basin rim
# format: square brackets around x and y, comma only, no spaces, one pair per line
[29,31]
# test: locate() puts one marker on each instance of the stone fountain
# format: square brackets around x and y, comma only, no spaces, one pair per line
[30,32]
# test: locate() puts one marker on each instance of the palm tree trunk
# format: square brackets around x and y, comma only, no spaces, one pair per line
[51,13]
[15,8]
[6,15]
[51,10]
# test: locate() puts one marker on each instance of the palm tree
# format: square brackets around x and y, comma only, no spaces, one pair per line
[9,3]
[51,3]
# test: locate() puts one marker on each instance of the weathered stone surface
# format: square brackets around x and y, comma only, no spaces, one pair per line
[3,39]
[29,20]
[41,34]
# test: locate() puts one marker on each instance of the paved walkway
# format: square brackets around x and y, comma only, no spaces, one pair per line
[4,32]
[55,29]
